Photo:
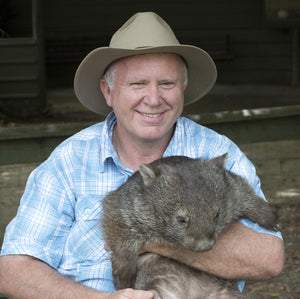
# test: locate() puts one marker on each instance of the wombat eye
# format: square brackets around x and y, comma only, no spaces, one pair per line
[217,215]
[183,221]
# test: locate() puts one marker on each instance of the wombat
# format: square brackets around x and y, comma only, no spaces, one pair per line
[176,201]
[167,279]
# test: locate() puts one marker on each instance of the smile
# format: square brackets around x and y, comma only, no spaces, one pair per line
[151,115]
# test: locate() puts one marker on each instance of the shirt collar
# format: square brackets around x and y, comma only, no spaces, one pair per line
[180,143]
[176,147]
[107,149]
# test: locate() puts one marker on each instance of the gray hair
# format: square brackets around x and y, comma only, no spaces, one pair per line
[109,75]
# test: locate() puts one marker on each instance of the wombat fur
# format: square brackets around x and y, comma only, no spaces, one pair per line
[169,279]
[176,201]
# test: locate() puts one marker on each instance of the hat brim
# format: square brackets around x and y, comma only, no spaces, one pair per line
[202,73]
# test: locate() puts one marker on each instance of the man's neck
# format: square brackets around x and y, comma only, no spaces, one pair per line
[135,152]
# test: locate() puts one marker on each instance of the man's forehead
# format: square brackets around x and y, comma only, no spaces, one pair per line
[146,57]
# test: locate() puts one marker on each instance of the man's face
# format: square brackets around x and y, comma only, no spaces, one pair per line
[148,95]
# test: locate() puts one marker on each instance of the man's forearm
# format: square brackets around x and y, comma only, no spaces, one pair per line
[240,253]
[25,277]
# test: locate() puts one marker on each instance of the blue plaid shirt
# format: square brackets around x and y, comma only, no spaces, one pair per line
[58,218]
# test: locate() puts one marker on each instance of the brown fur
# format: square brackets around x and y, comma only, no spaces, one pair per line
[176,201]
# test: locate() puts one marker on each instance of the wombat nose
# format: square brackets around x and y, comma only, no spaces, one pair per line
[200,245]
[205,245]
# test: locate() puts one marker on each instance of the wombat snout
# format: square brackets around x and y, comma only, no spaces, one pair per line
[206,245]
[197,245]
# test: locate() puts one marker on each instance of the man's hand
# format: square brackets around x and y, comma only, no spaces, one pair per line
[129,294]
[25,277]
[106,247]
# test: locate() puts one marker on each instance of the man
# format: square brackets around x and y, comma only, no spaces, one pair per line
[54,247]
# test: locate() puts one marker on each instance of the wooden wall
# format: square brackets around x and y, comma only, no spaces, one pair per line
[22,63]
[261,54]
[18,17]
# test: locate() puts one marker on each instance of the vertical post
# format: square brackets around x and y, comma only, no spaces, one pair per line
[38,36]
[34,18]
[295,56]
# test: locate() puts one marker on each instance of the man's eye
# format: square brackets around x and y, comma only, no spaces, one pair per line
[167,84]
[137,84]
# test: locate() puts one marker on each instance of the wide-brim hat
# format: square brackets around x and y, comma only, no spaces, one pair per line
[143,33]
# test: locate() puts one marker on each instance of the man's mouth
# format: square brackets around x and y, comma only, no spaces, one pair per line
[151,115]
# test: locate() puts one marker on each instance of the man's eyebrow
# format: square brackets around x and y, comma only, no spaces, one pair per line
[137,80]
[169,80]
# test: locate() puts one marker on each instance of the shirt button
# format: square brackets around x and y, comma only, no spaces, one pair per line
[88,211]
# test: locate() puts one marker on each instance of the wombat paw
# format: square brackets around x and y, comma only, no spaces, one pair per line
[124,280]
[156,294]
[124,272]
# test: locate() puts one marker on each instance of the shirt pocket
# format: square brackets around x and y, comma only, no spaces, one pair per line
[85,243]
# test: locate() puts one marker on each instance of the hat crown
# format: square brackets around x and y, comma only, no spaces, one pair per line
[143,33]
[143,30]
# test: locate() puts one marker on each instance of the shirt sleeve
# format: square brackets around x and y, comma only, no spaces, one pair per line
[239,164]
[44,217]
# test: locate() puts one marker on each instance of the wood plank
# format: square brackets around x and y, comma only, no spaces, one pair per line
[19,21]
[262,50]
[18,50]
[187,14]
[17,41]
[270,63]
[285,128]
[7,88]
[18,70]
[114,6]
[38,149]
[246,114]
[259,77]
[42,130]
[19,96]
[261,35]
[252,41]
[17,78]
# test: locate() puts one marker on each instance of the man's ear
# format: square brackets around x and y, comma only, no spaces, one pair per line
[105,91]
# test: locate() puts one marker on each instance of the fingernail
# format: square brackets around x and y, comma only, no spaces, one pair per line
[148,295]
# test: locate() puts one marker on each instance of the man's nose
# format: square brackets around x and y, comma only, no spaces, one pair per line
[153,96]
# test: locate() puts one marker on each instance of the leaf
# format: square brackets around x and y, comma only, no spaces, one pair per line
[287,288]
[258,289]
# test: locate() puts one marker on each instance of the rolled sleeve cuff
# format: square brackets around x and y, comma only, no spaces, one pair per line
[25,246]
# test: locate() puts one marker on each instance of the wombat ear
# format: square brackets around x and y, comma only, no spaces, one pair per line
[148,174]
[220,161]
